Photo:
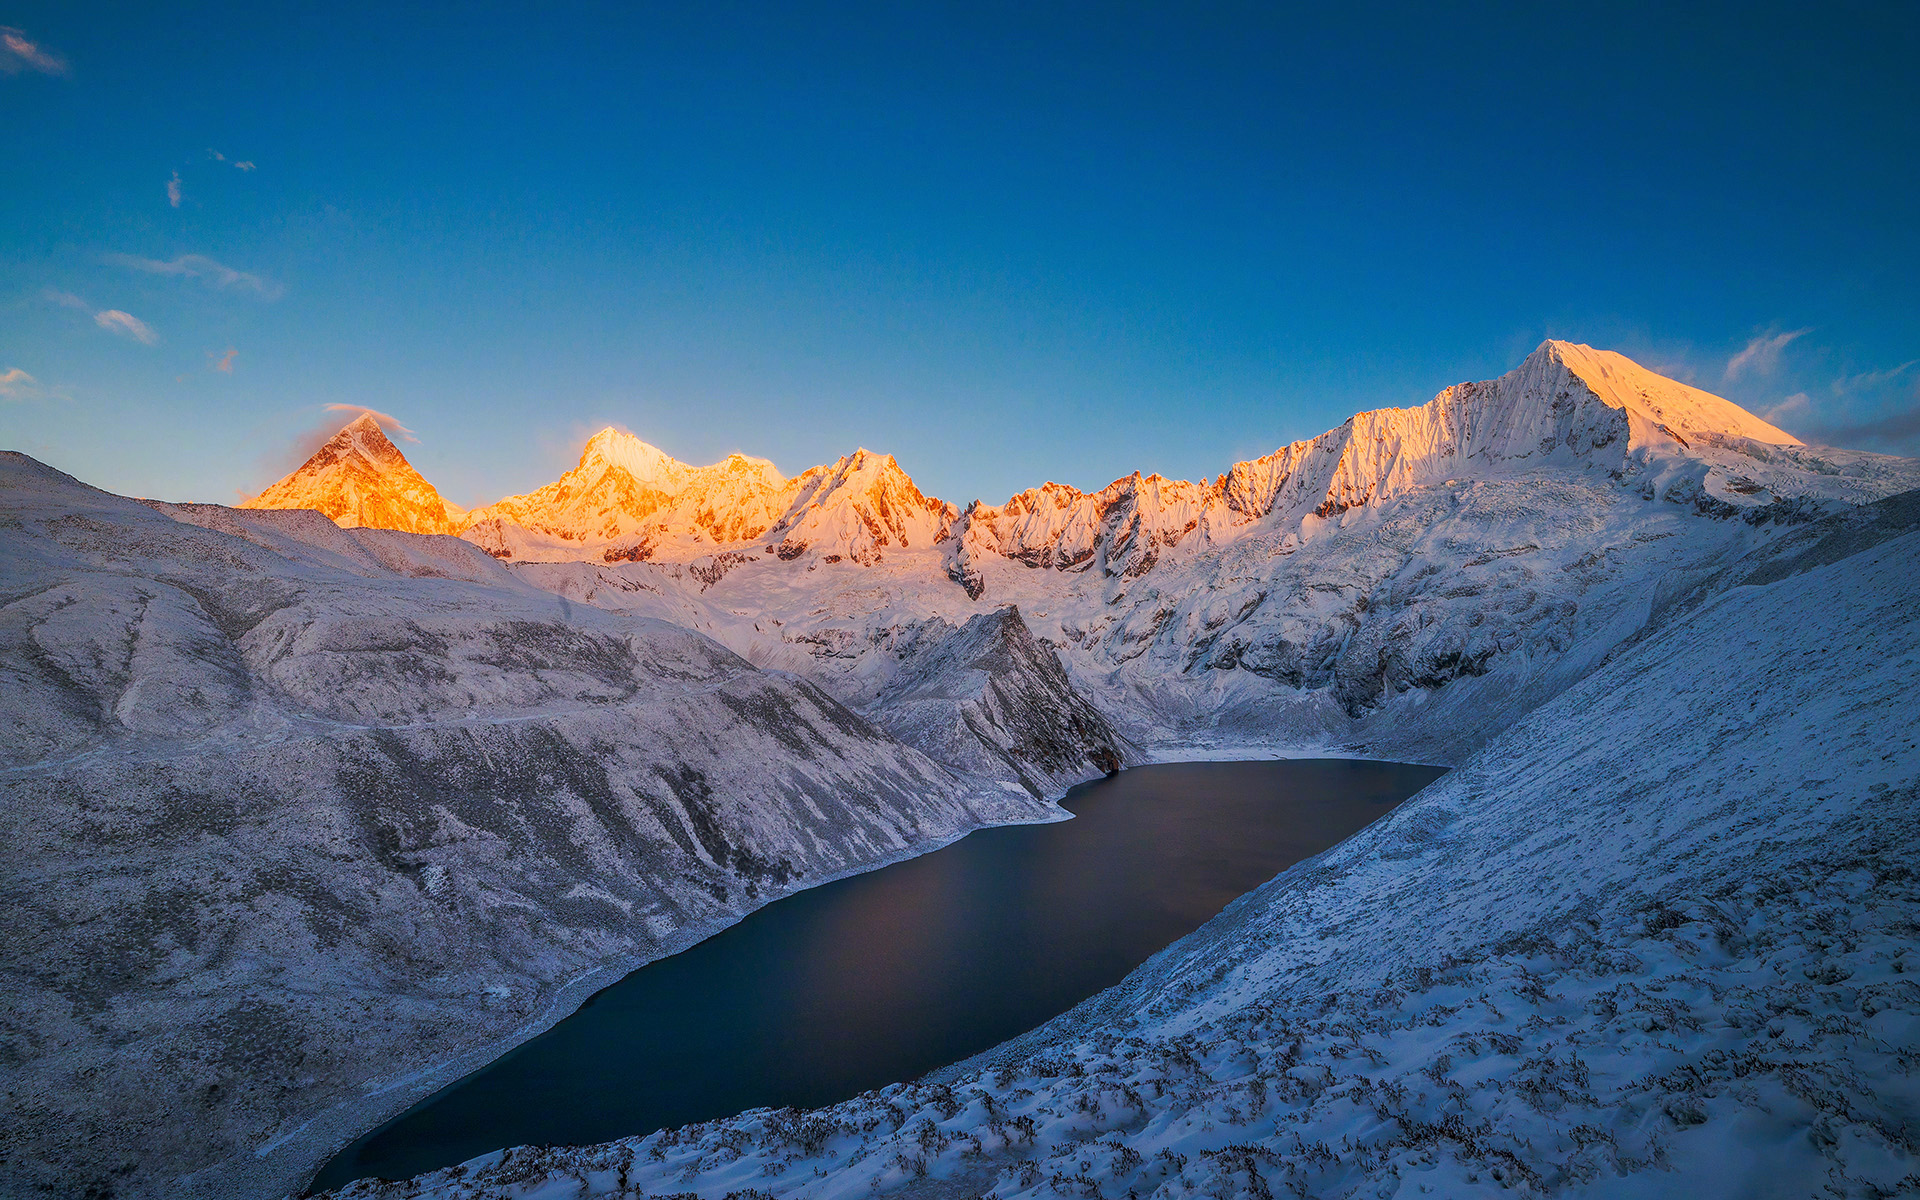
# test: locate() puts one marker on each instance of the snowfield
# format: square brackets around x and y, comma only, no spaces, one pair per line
[1657,939]
[312,806]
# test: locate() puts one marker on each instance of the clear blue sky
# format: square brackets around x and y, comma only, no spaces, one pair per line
[1004,243]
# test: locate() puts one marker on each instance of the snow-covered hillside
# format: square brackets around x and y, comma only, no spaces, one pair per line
[300,821]
[1410,583]
[992,703]
[1656,939]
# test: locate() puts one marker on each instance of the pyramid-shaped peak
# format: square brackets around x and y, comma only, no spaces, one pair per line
[647,464]
[360,478]
[1667,404]
[361,437]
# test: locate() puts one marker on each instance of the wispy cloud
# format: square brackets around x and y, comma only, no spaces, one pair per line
[114,321]
[173,190]
[245,164]
[388,421]
[241,165]
[1867,381]
[20,53]
[1868,410]
[16,384]
[199,266]
[1793,409]
[224,362]
[1762,355]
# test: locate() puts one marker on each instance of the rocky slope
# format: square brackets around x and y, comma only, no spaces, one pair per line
[299,819]
[992,703]
[1654,939]
[360,478]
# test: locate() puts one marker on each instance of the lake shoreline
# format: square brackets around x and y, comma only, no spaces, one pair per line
[298,1155]
[1333,784]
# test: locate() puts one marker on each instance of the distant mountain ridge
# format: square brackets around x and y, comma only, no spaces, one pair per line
[1566,405]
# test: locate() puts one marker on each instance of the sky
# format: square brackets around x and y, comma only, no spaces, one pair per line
[1004,243]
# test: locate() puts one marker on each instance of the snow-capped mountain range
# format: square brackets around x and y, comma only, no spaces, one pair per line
[1567,406]
[1325,590]
[445,771]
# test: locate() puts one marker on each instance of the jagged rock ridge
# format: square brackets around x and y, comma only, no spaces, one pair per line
[991,702]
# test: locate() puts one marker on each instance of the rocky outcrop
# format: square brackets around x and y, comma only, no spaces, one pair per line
[989,701]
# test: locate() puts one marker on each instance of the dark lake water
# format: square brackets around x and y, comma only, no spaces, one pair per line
[884,976]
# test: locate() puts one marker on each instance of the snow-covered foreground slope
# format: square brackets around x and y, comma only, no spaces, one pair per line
[1656,939]
[297,821]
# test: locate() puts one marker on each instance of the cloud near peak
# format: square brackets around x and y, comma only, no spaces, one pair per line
[114,321]
[199,266]
[20,53]
[1762,354]
[388,421]
[16,384]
